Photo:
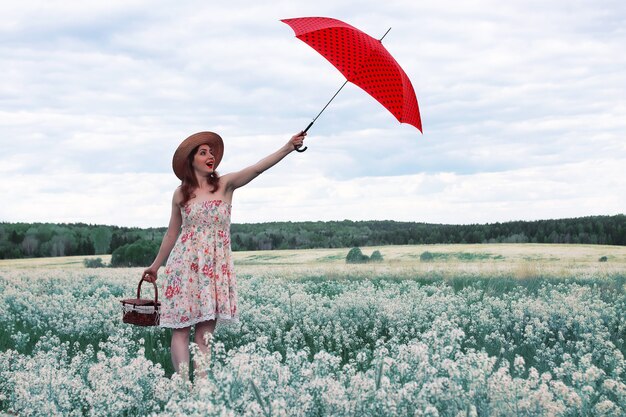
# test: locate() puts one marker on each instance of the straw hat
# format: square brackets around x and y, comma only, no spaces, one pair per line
[184,149]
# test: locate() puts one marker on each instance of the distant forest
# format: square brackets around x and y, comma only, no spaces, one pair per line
[23,240]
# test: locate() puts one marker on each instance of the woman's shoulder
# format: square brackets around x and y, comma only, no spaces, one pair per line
[177,198]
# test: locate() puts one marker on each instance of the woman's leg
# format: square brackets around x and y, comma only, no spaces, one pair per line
[201,338]
[180,349]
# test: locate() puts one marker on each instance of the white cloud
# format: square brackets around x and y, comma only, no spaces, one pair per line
[572,190]
[522,103]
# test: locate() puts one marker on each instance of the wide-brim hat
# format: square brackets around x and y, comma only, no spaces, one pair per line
[201,138]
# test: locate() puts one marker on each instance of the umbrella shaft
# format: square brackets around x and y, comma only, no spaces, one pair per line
[329,101]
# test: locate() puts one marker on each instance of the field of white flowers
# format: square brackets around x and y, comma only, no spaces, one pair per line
[357,343]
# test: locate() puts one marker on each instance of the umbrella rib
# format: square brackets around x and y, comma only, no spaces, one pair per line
[370,52]
[340,88]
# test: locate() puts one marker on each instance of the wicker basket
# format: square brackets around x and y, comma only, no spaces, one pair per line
[142,312]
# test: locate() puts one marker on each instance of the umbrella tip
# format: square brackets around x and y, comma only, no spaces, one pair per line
[381,39]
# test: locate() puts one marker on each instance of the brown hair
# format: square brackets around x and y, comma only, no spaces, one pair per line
[190,183]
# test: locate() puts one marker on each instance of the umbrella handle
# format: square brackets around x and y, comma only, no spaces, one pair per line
[306,147]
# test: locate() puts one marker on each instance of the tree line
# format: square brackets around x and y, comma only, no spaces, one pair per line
[33,240]
[606,230]
[22,240]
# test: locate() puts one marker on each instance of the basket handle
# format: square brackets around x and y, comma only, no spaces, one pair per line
[156,291]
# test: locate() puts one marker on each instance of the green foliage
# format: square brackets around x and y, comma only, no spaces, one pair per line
[93,263]
[19,240]
[603,259]
[355,256]
[23,240]
[101,238]
[426,256]
[376,256]
[139,253]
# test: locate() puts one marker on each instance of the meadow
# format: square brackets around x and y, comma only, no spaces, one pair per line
[479,330]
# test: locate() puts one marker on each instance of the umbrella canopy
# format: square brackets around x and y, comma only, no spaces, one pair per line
[364,61]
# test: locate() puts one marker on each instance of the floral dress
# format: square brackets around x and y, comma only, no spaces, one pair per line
[199,282]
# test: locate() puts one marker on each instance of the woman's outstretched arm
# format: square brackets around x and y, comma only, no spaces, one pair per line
[239,179]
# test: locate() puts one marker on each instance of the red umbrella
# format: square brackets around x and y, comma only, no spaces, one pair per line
[364,61]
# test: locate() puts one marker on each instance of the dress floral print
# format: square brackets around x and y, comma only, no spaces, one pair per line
[199,282]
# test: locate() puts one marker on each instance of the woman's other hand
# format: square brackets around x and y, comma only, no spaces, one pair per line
[150,274]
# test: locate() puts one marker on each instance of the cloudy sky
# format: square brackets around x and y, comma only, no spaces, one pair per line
[523,106]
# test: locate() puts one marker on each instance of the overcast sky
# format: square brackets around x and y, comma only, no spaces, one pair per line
[523,106]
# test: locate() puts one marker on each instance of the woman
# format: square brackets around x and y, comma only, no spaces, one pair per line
[200,288]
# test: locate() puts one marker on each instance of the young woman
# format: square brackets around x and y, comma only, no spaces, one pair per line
[199,288]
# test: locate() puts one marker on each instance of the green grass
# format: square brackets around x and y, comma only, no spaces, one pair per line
[331,258]
[459,256]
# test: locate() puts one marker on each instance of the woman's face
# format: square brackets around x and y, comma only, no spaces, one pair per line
[203,160]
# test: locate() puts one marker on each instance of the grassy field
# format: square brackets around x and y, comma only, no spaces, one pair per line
[480,330]
[516,260]
[519,260]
